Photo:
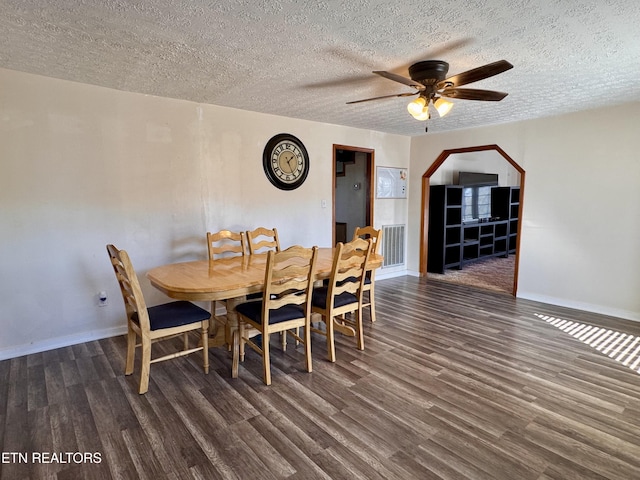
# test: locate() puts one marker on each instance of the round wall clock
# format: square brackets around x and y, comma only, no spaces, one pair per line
[285,161]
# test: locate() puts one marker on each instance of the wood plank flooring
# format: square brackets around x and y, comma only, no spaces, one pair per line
[455,383]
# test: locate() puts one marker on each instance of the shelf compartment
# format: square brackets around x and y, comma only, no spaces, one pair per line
[486,230]
[454,216]
[470,252]
[486,240]
[501,229]
[454,196]
[500,246]
[452,236]
[471,234]
[486,250]
[452,256]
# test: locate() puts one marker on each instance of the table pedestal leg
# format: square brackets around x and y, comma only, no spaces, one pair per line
[223,333]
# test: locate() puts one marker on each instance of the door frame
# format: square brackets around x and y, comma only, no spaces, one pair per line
[370,184]
[424,217]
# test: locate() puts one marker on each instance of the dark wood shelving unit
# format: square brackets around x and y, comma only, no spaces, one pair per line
[454,244]
[445,227]
[505,204]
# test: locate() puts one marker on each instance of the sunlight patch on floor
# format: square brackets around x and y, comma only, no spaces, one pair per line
[621,347]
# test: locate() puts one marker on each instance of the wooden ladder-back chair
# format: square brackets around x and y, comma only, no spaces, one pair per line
[152,324]
[369,281]
[263,238]
[226,243]
[221,244]
[343,294]
[284,308]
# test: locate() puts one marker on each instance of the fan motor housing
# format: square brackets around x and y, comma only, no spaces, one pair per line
[435,70]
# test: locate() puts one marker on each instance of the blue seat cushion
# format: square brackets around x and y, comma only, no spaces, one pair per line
[174,314]
[320,298]
[253,311]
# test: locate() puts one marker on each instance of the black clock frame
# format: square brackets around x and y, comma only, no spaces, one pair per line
[267,166]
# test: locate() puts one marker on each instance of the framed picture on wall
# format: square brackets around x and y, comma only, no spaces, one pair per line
[391,182]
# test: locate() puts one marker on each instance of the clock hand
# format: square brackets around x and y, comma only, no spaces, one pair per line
[289,163]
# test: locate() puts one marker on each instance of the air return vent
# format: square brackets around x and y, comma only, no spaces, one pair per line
[393,245]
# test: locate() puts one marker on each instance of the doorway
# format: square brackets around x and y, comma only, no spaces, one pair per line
[353,169]
[426,183]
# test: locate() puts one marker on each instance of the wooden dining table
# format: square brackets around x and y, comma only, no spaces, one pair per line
[230,279]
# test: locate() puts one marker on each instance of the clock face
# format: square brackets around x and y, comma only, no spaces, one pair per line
[285,161]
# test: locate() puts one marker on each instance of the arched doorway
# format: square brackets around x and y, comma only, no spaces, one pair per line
[426,183]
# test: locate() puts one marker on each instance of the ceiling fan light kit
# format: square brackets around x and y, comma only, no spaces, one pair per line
[418,107]
[442,106]
[429,78]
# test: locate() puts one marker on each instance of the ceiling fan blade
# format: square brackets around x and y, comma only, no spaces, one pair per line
[384,96]
[473,94]
[400,79]
[476,74]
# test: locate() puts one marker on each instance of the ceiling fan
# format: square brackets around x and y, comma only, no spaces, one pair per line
[429,78]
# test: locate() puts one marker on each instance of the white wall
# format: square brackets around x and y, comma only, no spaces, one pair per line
[581,219]
[83,166]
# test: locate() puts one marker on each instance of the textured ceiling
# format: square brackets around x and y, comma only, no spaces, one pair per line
[307,58]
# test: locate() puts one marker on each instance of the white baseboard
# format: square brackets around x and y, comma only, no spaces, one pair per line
[381,274]
[412,273]
[53,343]
[587,307]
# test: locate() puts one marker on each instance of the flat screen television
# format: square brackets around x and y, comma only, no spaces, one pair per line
[475,178]
[476,195]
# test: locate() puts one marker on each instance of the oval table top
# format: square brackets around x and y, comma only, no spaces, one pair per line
[225,278]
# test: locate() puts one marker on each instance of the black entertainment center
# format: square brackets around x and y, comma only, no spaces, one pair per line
[473,220]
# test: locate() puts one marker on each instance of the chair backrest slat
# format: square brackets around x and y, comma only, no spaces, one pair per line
[134,303]
[372,233]
[263,238]
[349,265]
[289,278]
[225,242]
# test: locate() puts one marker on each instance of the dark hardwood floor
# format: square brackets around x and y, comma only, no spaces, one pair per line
[455,383]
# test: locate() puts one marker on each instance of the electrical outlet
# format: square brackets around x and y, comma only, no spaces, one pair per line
[102,299]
